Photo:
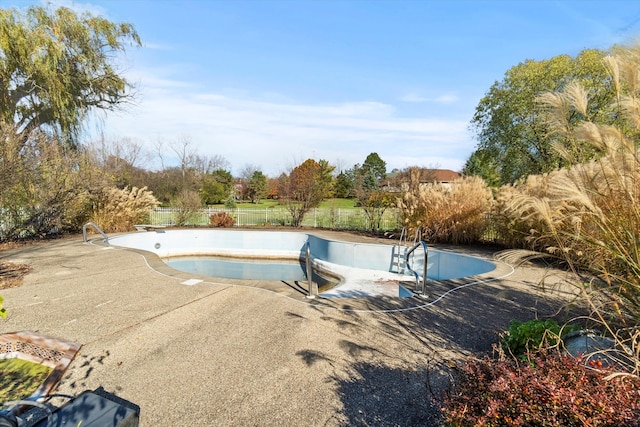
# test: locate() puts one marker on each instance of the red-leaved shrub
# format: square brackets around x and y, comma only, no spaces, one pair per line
[221,219]
[552,390]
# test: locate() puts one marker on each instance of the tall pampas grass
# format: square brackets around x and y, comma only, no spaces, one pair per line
[447,214]
[588,215]
[118,210]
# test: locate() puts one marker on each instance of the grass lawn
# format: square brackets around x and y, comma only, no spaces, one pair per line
[265,203]
[268,203]
[338,204]
[332,213]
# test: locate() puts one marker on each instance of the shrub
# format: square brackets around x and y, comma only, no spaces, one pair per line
[448,214]
[188,205]
[230,203]
[516,228]
[221,219]
[44,187]
[533,335]
[554,390]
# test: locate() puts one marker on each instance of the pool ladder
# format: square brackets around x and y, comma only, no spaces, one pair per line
[398,259]
[404,257]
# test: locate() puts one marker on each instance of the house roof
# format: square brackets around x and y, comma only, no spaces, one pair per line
[443,175]
[427,176]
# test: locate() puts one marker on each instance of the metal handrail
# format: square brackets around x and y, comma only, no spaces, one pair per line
[418,235]
[419,289]
[94,225]
[313,288]
[402,236]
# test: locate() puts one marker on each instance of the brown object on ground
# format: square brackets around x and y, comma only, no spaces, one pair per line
[11,274]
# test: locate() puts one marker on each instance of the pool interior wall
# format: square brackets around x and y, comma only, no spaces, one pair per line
[258,269]
[443,265]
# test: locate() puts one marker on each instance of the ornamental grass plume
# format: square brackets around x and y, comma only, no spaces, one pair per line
[448,214]
[589,214]
[118,210]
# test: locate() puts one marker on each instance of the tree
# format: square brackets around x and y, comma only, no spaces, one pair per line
[208,164]
[188,205]
[121,159]
[325,179]
[371,198]
[207,175]
[272,188]
[44,187]
[345,184]
[483,164]
[257,187]
[412,177]
[165,184]
[216,187]
[187,156]
[246,173]
[374,166]
[370,174]
[305,187]
[374,204]
[56,67]
[512,127]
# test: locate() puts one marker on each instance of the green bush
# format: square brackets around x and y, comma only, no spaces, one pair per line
[230,203]
[527,337]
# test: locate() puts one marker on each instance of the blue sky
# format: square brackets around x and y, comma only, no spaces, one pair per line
[272,83]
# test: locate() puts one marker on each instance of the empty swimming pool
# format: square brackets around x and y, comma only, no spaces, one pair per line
[240,269]
[361,268]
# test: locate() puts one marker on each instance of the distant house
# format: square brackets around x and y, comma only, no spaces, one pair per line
[399,182]
[441,176]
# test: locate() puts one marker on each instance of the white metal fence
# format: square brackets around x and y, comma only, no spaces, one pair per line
[335,218]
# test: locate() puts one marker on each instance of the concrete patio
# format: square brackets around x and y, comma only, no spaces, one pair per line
[226,354]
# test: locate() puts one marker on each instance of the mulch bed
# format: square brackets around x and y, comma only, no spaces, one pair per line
[11,273]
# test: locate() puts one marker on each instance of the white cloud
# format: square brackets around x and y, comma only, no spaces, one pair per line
[447,98]
[77,7]
[274,133]
[413,97]
[158,46]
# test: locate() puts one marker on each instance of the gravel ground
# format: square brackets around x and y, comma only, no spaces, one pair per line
[218,354]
